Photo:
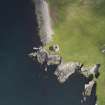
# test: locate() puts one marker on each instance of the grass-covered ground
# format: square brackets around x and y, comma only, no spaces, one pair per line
[79,27]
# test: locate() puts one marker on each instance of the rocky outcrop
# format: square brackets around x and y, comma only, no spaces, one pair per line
[65,70]
[42,56]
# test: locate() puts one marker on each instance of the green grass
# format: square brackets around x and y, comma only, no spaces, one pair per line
[80,32]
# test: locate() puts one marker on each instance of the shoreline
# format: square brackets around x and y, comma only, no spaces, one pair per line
[47,42]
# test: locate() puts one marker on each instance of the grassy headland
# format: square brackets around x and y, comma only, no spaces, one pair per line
[79,27]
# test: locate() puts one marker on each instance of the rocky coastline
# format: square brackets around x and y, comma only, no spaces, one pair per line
[63,69]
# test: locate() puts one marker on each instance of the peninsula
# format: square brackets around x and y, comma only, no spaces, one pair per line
[76,42]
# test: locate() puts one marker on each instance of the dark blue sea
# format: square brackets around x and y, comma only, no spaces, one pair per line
[22,81]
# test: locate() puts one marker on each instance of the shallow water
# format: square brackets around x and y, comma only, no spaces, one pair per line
[22,82]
